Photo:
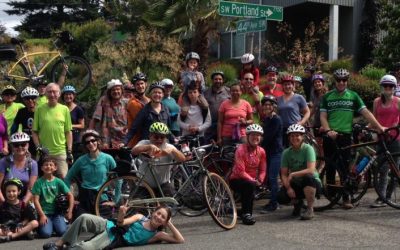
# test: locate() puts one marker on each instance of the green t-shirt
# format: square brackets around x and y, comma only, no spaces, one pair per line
[48,191]
[340,109]
[41,100]
[10,113]
[51,123]
[249,99]
[296,160]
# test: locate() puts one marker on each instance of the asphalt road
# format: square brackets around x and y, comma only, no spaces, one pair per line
[361,227]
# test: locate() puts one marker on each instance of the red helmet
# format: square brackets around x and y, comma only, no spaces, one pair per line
[287,78]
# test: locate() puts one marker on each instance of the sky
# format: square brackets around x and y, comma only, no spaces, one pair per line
[8,21]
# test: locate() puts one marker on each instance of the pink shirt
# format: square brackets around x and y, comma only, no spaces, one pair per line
[232,115]
[249,165]
[388,116]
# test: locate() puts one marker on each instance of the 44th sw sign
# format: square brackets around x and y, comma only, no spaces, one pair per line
[237,9]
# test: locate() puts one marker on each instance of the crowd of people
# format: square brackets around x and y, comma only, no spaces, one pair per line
[267,119]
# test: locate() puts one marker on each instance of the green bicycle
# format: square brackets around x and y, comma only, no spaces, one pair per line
[32,68]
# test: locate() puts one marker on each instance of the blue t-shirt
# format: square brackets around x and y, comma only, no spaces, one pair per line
[290,111]
[173,108]
[7,167]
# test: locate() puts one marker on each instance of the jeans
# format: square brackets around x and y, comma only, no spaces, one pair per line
[274,166]
[55,222]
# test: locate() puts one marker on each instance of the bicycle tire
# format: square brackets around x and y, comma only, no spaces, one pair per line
[19,70]
[330,193]
[363,182]
[108,202]
[392,194]
[219,199]
[79,72]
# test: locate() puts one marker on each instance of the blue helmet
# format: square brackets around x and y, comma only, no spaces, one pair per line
[69,88]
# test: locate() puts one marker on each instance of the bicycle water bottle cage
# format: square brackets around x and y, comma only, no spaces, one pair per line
[7,52]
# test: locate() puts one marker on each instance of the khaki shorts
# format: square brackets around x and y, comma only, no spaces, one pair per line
[62,166]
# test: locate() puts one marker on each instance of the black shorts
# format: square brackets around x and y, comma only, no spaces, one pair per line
[298,184]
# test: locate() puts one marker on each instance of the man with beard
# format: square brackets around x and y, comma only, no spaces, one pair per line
[272,87]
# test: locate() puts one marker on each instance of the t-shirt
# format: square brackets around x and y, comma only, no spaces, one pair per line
[10,112]
[174,109]
[19,173]
[47,192]
[77,114]
[215,99]
[41,100]
[249,99]
[24,117]
[92,172]
[277,91]
[13,212]
[133,108]
[195,118]
[232,115]
[340,108]
[290,110]
[296,160]
[162,173]
[52,123]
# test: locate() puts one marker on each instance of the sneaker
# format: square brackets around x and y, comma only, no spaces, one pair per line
[270,207]
[30,235]
[297,208]
[248,219]
[347,205]
[51,246]
[378,203]
[5,238]
[307,215]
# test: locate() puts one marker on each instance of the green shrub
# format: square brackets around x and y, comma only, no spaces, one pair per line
[344,63]
[372,72]
[35,42]
[367,89]
[230,72]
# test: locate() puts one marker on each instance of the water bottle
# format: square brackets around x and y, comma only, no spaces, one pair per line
[185,149]
[362,164]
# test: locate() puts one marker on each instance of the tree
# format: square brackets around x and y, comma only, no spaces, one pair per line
[41,17]
[388,51]
[2,29]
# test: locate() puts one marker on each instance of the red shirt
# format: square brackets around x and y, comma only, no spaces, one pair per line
[277,91]
[249,165]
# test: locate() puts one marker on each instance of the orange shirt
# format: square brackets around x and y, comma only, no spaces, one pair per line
[133,108]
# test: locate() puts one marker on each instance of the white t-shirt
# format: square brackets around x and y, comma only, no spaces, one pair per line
[195,118]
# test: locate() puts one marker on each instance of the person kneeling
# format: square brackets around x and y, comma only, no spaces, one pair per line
[300,178]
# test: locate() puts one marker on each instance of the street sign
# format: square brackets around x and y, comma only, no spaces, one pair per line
[251,25]
[237,9]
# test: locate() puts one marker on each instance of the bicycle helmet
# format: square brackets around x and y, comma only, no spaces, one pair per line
[114,82]
[167,82]
[287,78]
[297,79]
[318,77]
[29,91]
[62,203]
[341,74]
[159,128]
[9,89]
[156,85]
[192,55]
[247,58]
[388,80]
[139,77]
[296,128]
[19,137]
[310,68]
[217,72]
[90,132]
[254,128]
[269,98]
[271,69]
[14,181]
[68,89]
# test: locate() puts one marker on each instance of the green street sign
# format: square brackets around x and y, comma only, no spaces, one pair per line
[251,25]
[237,9]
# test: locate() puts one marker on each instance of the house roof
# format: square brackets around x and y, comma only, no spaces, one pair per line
[288,3]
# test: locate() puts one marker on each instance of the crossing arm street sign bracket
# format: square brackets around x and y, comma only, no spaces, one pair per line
[237,9]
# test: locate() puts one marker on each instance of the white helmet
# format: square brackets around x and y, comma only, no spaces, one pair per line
[167,82]
[254,128]
[388,80]
[247,58]
[29,91]
[296,128]
[19,137]
[113,83]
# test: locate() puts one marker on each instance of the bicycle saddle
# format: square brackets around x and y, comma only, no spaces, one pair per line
[17,41]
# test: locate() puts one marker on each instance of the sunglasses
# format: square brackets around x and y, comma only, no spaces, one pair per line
[90,141]
[342,80]
[387,86]
[158,137]
[30,98]
[17,145]
[248,79]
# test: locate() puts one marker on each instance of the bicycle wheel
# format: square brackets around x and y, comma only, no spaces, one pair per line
[120,190]
[219,200]
[330,193]
[17,77]
[358,186]
[191,197]
[79,73]
[387,184]
[222,167]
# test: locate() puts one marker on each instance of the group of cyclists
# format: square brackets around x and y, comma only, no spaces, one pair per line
[268,121]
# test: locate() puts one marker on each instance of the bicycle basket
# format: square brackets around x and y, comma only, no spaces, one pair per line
[66,37]
[7,52]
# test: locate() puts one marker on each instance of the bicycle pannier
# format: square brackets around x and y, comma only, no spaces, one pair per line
[7,52]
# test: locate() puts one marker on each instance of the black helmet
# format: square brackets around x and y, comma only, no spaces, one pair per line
[139,76]
[310,68]
[155,85]
[218,72]
[271,69]
[14,181]
[62,203]
[269,98]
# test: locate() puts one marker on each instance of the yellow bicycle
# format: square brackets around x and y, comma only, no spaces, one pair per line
[32,68]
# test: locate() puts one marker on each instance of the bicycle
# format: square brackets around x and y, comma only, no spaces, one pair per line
[311,139]
[130,189]
[357,182]
[32,68]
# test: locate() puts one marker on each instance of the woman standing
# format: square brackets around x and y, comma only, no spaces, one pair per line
[386,109]
[233,117]
[19,165]
[249,170]
[319,90]
[172,106]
